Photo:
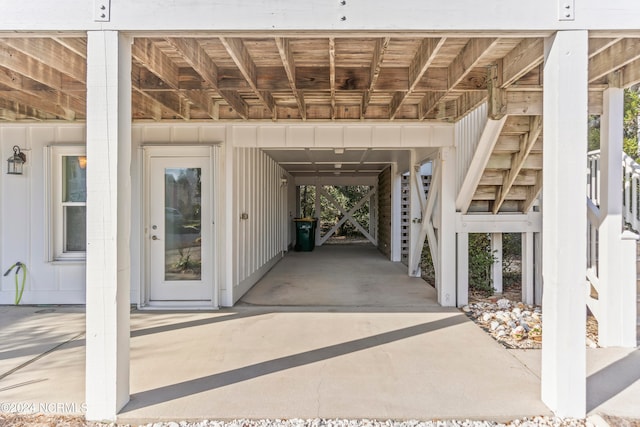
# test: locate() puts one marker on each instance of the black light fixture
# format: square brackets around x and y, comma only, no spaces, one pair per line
[16,162]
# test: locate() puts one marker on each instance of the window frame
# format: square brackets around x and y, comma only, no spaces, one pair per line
[56,204]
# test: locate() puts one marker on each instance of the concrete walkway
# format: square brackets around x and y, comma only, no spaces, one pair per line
[341,275]
[402,362]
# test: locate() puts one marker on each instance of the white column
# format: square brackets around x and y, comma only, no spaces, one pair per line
[616,272]
[496,268]
[564,223]
[415,214]
[228,226]
[396,214]
[463,269]
[527,267]
[108,223]
[446,285]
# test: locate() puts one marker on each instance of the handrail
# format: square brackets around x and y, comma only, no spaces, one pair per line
[630,187]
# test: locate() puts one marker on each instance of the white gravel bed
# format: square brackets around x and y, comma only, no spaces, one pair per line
[318,422]
[18,420]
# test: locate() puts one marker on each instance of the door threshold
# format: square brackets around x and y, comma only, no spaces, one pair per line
[178,305]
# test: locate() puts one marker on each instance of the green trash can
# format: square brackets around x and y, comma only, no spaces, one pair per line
[305,234]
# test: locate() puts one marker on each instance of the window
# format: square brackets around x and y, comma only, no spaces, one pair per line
[69,203]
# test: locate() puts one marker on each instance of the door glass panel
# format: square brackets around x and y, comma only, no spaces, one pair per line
[183,238]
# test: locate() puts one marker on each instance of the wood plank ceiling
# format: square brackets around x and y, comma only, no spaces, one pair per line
[323,77]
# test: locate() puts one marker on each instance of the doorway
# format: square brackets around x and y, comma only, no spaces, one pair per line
[178,227]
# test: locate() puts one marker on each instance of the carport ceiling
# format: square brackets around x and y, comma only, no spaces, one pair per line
[338,162]
[294,76]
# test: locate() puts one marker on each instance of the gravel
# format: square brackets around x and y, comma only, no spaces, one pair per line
[18,420]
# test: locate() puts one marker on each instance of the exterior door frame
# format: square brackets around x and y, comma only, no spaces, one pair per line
[167,151]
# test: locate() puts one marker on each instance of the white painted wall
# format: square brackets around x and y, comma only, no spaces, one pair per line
[24,216]
[252,246]
[263,236]
[467,136]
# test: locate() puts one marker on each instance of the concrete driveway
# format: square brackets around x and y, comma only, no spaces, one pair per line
[333,361]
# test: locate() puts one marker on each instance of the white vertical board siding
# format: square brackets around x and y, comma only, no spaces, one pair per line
[24,218]
[467,135]
[262,199]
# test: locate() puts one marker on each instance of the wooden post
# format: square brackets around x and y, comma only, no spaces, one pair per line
[108,223]
[565,223]
[496,268]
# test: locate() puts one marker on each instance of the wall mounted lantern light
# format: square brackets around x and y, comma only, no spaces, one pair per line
[16,162]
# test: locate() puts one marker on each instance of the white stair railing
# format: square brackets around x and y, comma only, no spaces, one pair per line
[630,187]
[621,301]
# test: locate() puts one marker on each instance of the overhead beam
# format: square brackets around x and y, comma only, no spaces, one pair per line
[527,55]
[56,104]
[33,69]
[55,55]
[288,62]
[461,65]
[631,74]
[75,44]
[202,64]
[529,102]
[614,57]
[151,57]
[379,50]
[11,110]
[240,55]
[168,101]
[157,62]
[598,45]
[468,101]
[427,51]
[145,106]
[518,159]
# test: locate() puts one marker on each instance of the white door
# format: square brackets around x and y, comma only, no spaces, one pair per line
[179,229]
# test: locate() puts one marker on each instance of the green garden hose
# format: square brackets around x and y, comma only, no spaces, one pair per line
[19,289]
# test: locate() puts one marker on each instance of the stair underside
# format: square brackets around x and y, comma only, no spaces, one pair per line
[511,154]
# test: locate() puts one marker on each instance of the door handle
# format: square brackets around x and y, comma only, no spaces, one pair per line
[154,237]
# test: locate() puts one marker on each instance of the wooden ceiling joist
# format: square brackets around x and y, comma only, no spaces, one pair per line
[33,69]
[288,62]
[332,76]
[421,61]
[527,55]
[12,110]
[199,60]
[53,54]
[247,67]
[167,101]
[461,65]
[302,76]
[379,49]
[614,57]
